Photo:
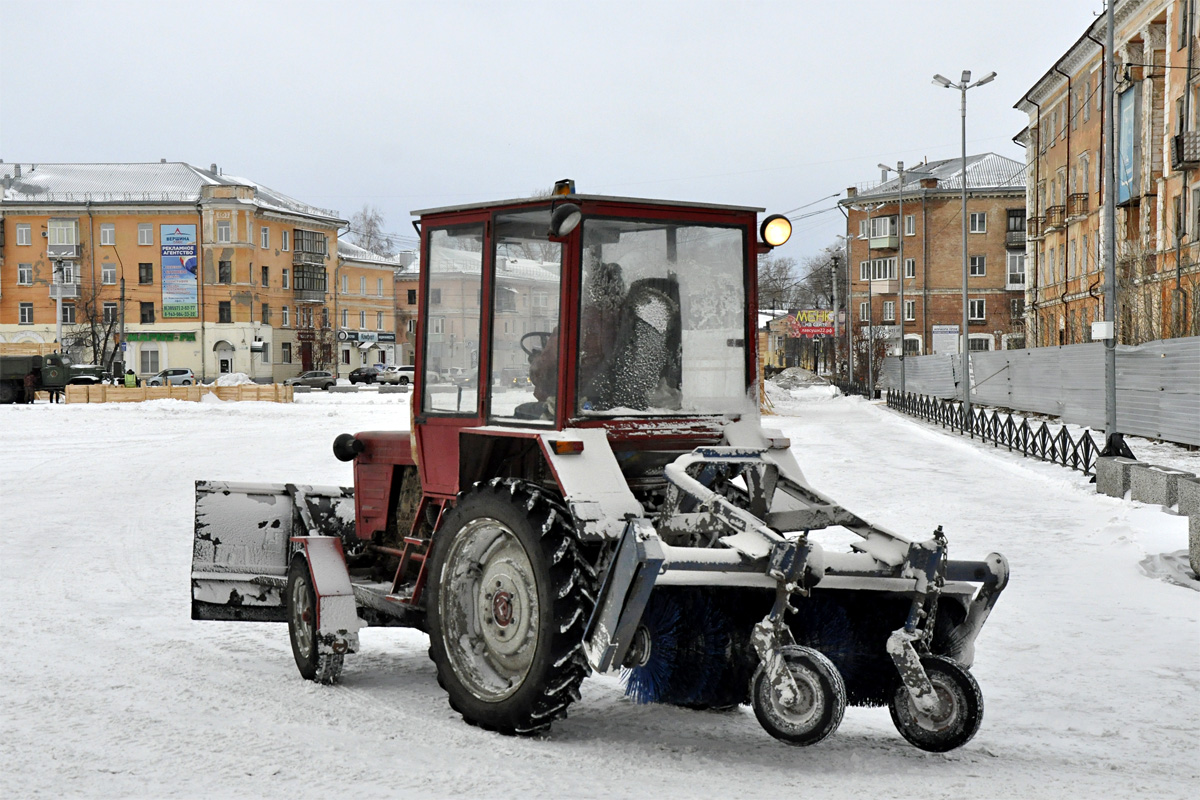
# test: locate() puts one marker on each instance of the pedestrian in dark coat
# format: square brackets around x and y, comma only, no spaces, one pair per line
[30,383]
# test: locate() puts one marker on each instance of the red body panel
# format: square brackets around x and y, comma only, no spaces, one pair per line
[374,474]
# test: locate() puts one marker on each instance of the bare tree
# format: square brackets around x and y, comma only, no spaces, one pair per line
[778,284]
[91,338]
[367,225]
[869,343]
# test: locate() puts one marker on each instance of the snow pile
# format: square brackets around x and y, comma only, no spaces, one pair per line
[795,377]
[232,379]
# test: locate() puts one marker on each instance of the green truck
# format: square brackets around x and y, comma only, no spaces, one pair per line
[50,373]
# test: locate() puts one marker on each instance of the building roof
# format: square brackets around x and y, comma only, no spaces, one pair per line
[352,252]
[157,182]
[984,171]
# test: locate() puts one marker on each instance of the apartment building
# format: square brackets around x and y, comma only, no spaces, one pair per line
[364,308]
[1157,118]
[407,279]
[164,265]
[930,228]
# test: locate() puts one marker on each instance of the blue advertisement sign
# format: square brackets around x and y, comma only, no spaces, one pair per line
[179,267]
[1126,136]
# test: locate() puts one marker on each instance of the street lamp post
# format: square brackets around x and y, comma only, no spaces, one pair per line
[963,85]
[58,290]
[899,170]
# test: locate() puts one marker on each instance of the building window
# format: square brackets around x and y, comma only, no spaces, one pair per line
[1087,99]
[912,346]
[24,234]
[1016,269]
[976,310]
[284,277]
[266,314]
[345,318]
[437,325]
[1017,307]
[111,314]
[62,231]
[324,317]
[910,310]
[978,222]
[224,311]
[412,297]
[435,297]
[149,361]
[68,313]
[145,233]
[147,313]
[862,229]
[285,236]
[283,316]
[224,235]
[108,233]
[345,355]
[67,274]
[889,311]
[362,320]
[864,311]
[978,266]
[910,268]
[883,269]
[979,344]
[362,285]
[411,326]
[264,234]
[224,272]
[883,226]
[26,313]
[108,274]
[864,270]
[265,353]
[266,274]
[145,273]
[378,320]
[285,353]
[910,224]
[379,287]
[345,284]
[24,274]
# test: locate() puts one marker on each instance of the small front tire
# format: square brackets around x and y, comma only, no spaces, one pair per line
[819,708]
[302,627]
[958,715]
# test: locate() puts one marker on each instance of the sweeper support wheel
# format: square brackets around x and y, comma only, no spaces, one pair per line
[508,601]
[818,708]
[302,627]
[959,708]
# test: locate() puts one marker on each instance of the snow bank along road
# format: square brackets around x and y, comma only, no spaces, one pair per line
[1089,668]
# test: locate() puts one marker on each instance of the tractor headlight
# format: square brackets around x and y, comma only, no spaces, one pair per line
[776,229]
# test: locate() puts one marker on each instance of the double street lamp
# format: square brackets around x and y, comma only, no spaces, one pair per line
[963,85]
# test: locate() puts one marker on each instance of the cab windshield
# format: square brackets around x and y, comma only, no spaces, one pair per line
[662,320]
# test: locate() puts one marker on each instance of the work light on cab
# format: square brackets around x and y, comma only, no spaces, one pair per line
[776,229]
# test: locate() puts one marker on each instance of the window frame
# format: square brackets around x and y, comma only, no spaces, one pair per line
[27,269]
[108,271]
[108,234]
[264,237]
[24,313]
[910,224]
[910,310]
[26,229]
[977,266]
[284,317]
[981,305]
[224,232]
[225,311]
[979,217]
[148,229]
[145,273]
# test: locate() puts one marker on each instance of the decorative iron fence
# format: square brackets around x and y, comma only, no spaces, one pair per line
[1004,430]
[853,387]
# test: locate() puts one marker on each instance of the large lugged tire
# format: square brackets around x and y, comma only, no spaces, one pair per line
[959,712]
[302,627]
[508,598]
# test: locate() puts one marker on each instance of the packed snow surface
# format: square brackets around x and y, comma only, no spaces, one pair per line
[1089,667]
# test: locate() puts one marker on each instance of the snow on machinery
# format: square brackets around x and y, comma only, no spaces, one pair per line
[621,508]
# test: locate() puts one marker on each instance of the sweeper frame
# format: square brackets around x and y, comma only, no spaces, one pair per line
[618,507]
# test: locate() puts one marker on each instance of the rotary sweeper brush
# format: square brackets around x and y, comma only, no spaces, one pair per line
[586,486]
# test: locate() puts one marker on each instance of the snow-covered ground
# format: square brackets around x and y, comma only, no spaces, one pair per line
[1090,668]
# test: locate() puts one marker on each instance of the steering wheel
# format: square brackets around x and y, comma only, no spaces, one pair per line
[542,336]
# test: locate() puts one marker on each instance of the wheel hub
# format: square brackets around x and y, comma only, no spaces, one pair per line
[502,609]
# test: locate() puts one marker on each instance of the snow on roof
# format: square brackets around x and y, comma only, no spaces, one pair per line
[352,252]
[157,182]
[450,260]
[984,171]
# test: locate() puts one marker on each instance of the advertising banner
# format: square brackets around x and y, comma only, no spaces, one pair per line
[809,322]
[179,265]
[1127,150]
[945,339]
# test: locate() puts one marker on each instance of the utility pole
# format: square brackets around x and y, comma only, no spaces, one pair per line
[58,290]
[899,170]
[833,274]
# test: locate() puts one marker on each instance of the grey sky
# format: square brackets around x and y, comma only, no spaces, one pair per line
[407,105]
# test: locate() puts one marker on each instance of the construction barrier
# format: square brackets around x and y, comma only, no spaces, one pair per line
[103,393]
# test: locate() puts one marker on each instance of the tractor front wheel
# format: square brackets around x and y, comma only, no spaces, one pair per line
[820,701]
[958,714]
[302,627]
[508,598]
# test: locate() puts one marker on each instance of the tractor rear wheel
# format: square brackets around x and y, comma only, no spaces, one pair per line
[508,598]
[957,717]
[302,627]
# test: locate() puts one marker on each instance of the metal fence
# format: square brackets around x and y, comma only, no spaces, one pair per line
[1158,384]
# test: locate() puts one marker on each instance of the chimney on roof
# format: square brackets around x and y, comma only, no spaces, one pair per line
[162,161]
[16,170]
[213,168]
[851,191]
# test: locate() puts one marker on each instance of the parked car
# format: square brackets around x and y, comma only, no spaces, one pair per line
[176,376]
[316,378]
[368,373]
[401,375]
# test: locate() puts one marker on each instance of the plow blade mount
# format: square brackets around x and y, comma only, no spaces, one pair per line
[242,546]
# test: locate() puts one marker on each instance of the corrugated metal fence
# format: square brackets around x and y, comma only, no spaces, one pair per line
[1158,384]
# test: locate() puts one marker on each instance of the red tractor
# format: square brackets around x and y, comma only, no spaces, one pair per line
[586,486]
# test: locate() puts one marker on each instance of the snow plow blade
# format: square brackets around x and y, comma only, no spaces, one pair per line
[242,546]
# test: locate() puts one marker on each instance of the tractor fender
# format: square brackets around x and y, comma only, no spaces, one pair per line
[337,621]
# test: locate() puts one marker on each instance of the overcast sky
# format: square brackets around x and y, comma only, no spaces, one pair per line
[407,105]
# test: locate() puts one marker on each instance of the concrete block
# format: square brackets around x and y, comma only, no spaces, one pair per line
[351,388]
[1194,542]
[1112,474]
[301,389]
[1188,488]
[1155,485]
[389,389]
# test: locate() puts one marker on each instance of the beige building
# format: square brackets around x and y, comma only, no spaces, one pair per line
[1157,116]
[364,308]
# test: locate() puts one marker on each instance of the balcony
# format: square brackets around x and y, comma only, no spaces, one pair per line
[885,286]
[309,295]
[1185,150]
[885,242]
[310,257]
[1077,205]
[1034,226]
[64,291]
[54,251]
[1014,240]
[1056,217]
[1015,283]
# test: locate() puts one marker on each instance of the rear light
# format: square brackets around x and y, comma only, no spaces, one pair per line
[564,447]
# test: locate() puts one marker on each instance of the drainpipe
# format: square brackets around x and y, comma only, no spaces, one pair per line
[1103,130]
[200,278]
[1066,237]
[1031,276]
